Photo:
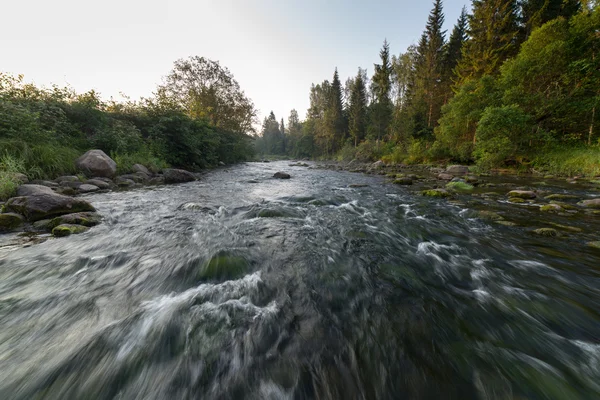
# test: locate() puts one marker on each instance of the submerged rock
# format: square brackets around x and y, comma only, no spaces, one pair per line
[522,194]
[224,266]
[281,175]
[436,193]
[172,175]
[517,200]
[547,232]
[490,216]
[97,163]
[593,203]
[66,230]
[10,221]
[551,208]
[562,197]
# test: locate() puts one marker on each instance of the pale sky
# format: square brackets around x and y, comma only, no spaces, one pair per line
[275,49]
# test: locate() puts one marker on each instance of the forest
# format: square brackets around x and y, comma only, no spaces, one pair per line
[516,83]
[199,116]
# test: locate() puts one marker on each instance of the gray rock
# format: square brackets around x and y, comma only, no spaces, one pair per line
[140,168]
[445,177]
[97,163]
[403,181]
[593,203]
[522,194]
[45,205]
[67,229]
[98,183]
[33,190]
[138,177]
[68,178]
[124,182]
[43,225]
[82,218]
[103,179]
[44,183]
[73,185]
[172,175]
[10,221]
[21,178]
[457,169]
[156,180]
[87,188]
[458,180]
[221,163]
[281,175]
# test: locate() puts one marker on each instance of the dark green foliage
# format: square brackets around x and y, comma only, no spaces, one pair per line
[380,112]
[357,109]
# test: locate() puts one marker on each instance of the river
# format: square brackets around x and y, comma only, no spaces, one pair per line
[240,286]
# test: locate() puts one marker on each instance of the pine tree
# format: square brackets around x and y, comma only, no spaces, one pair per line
[493,32]
[381,111]
[453,52]
[357,109]
[535,13]
[334,114]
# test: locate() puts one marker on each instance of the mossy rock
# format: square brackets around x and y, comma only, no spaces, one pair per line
[558,196]
[403,181]
[595,245]
[43,225]
[68,229]
[83,218]
[546,232]
[517,200]
[224,266]
[523,194]
[566,227]
[440,193]
[566,206]
[459,186]
[490,216]
[551,208]
[10,221]
[506,223]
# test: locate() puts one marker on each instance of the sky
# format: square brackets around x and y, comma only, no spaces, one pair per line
[275,49]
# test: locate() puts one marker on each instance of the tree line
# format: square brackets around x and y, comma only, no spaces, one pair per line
[514,78]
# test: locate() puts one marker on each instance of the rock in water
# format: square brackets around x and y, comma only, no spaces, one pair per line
[457,169]
[522,194]
[66,230]
[172,175]
[97,163]
[82,218]
[44,205]
[98,183]
[593,203]
[281,175]
[10,221]
[87,188]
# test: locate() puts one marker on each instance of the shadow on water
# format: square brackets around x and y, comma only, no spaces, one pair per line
[301,289]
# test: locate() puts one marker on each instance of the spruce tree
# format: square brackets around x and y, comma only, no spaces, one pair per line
[535,13]
[381,112]
[453,51]
[493,37]
[334,115]
[357,109]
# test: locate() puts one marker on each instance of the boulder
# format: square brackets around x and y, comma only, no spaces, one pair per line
[445,177]
[67,178]
[522,194]
[281,175]
[172,175]
[457,169]
[10,221]
[436,193]
[45,205]
[156,180]
[98,183]
[97,163]
[21,178]
[87,188]
[82,218]
[403,181]
[551,208]
[593,203]
[66,230]
[44,183]
[33,190]
[140,168]
[138,177]
[124,182]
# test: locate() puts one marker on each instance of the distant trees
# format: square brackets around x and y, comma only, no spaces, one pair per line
[357,108]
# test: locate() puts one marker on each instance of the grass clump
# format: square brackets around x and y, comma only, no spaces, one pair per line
[583,161]
[459,186]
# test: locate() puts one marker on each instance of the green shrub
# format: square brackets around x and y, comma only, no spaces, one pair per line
[125,162]
[572,161]
[459,186]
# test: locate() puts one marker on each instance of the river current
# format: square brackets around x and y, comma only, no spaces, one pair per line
[240,286]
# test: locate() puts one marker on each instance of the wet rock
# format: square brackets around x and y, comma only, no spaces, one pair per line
[74,185]
[595,245]
[124,182]
[442,193]
[87,188]
[43,225]
[253,181]
[19,177]
[140,168]
[67,178]
[98,183]
[522,194]
[561,197]
[403,181]
[457,169]
[156,180]
[224,266]
[505,223]
[281,175]
[138,177]
[471,179]
[489,215]
[172,175]
[566,206]
[66,230]
[10,221]
[44,183]
[33,190]
[593,203]
[83,218]
[97,163]
[546,232]
[551,208]
[517,200]
[566,227]
[66,191]
[44,205]
[445,177]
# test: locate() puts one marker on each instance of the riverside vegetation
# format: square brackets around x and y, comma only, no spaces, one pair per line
[516,84]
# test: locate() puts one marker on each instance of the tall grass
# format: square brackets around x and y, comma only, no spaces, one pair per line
[41,161]
[9,166]
[125,162]
[583,161]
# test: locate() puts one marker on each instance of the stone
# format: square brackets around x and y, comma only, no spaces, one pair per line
[378,164]
[562,197]
[43,225]
[66,230]
[67,178]
[140,168]
[445,177]
[522,194]
[19,177]
[44,183]
[124,182]
[83,218]
[33,190]
[551,208]
[457,169]
[595,245]
[172,175]
[471,179]
[138,177]
[10,221]
[593,203]
[281,175]
[436,193]
[566,227]
[516,200]
[221,164]
[547,232]
[505,223]
[45,205]
[156,180]
[98,183]
[403,181]
[97,163]
[490,216]
[87,188]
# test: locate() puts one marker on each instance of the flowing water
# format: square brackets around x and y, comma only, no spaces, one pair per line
[244,287]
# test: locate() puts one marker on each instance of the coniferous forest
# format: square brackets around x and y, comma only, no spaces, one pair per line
[515,83]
